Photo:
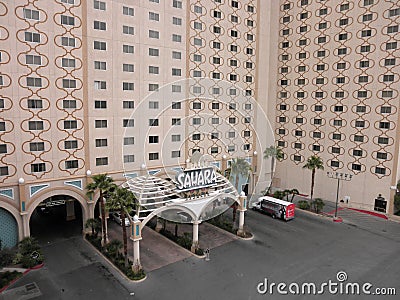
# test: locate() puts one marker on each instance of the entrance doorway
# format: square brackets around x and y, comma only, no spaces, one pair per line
[56,217]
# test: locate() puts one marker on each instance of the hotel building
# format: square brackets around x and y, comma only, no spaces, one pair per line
[117,87]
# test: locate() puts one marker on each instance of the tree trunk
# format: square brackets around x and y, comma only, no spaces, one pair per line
[103,217]
[312,183]
[176,229]
[272,174]
[124,239]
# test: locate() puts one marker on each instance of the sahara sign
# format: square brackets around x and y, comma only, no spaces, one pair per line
[196,179]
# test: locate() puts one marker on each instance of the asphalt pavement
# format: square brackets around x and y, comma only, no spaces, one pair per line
[308,249]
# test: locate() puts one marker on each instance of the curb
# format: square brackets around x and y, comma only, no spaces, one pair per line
[37,267]
[235,235]
[112,265]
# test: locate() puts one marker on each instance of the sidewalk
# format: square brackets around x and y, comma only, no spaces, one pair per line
[156,251]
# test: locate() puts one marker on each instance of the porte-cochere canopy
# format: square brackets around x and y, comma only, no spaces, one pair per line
[163,197]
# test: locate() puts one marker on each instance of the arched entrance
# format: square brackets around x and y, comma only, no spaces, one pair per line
[57,215]
[9,229]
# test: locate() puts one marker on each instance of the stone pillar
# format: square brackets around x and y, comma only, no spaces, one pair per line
[70,207]
[242,209]
[25,224]
[136,236]
[106,226]
[252,188]
[195,243]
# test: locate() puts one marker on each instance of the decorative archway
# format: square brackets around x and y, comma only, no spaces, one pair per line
[67,191]
[15,214]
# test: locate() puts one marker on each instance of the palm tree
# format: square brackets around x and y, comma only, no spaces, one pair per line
[313,163]
[276,154]
[286,194]
[294,192]
[122,200]
[103,183]
[94,224]
[239,166]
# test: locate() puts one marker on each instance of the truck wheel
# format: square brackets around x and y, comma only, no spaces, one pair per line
[273,216]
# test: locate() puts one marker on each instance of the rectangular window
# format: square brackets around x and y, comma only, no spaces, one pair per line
[390,61]
[31,14]
[128,49]
[176,21]
[101,142]
[100,123]
[153,156]
[153,105]
[176,105]
[153,122]
[176,72]
[128,86]
[38,167]
[393,29]
[35,103]
[97,45]
[128,104]
[101,161]
[100,5]
[153,87]
[388,78]
[175,154]
[391,46]
[176,138]
[381,155]
[394,12]
[176,38]
[130,140]
[128,11]
[67,41]
[154,70]
[100,65]
[70,124]
[177,4]
[128,123]
[67,20]
[129,158]
[367,17]
[359,138]
[35,146]
[176,121]
[154,16]
[364,64]
[72,144]
[176,55]
[67,103]
[128,30]
[153,139]
[153,34]
[100,85]
[100,104]
[386,109]
[379,170]
[99,25]
[32,37]
[33,82]
[127,68]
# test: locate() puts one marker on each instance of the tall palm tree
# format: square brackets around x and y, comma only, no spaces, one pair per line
[276,154]
[122,200]
[313,163]
[294,192]
[239,166]
[103,183]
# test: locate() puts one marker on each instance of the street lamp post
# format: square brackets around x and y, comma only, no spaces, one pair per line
[338,176]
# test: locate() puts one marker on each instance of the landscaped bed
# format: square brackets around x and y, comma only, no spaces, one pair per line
[7,277]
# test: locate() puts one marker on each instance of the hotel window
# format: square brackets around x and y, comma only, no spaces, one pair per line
[383,140]
[368,2]
[35,146]
[299,120]
[128,30]
[198,9]
[67,41]
[196,105]
[337,122]
[366,33]
[198,42]
[356,167]
[285,32]
[154,70]
[38,167]
[335,164]
[35,103]
[249,51]
[67,20]
[128,104]
[233,48]
[303,2]
[360,123]
[197,57]
[127,68]
[367,17]
[153,139]
[98,85]
[388,78]
[344,7]
[176,21]
[73,144]
[216,75]
[303,42]
[153,104]
[69,83]
[379,170]
[286,6]
[282,119]
[2,126]
[394,12]
[342,36]
[233,33]
[177,4]
[357,152]
[281,131]
[128,123]
[319,94]
[214,121]
[361,109]
[335,150]
[153,122]
[393,29]
[285,45]
[153,156]
[101,143]
[365,48]
[100,104]
[298,146]
[31,14]
[316,148]
[153,34]
[246,147]
[317,135]
[298,133]
[232,120]
[98,65]
[129,140]
[341,66]
[364,64]
[32,37]
[176,105]
[70,124]
[217,14]
[177,121]
[101,161]
[128,11]
[323,11]
[317,121]
[384,125]
[322,25]
[100,25]
[234,19]
[154,16]
[320,80]
[320,67]
[214,150]
[286,19]
[97,45]
[390,61]
[340,80]
[282,107]
[250,23]
[4,171]
[176,55]
[318,107]
[33,82]
[300,94]
[176,138]
[176,38]
[128,86]
[386,109]
[343,22]
[295,157]
[362,94]
[196,137]
[359,138]
[176,88]
[129,158]
[303,15]
[69,104]
[100,124]
[128,49]
[362,79]
[175,154]
[216,60]
[320,53]
[381,155]
[391,46]
[100,5]
[214,135]
[250,37]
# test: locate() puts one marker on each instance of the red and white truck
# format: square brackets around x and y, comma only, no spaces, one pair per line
[277,208]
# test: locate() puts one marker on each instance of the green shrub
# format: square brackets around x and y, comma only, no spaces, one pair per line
[26,248]
[318,204]
[199,251]
[135,275]
[6,257]
[7,277]
[303,204]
